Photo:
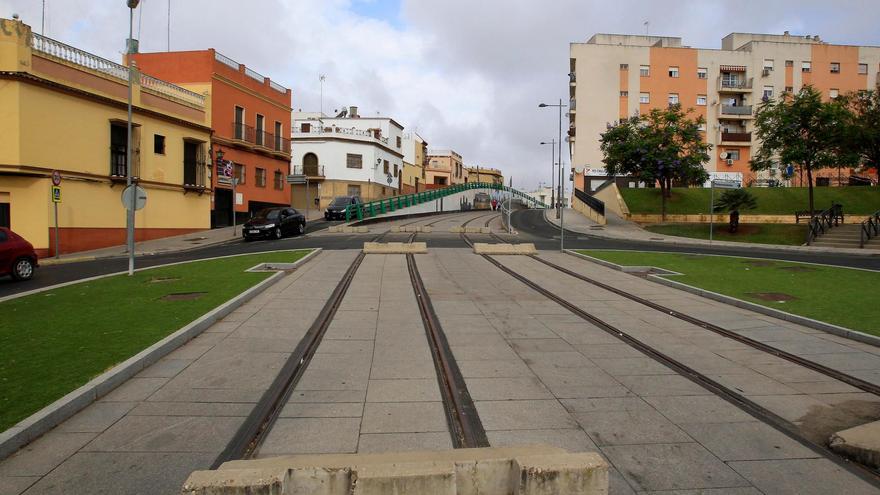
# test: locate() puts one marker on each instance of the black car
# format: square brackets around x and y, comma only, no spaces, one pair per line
[336,210]
[274,223]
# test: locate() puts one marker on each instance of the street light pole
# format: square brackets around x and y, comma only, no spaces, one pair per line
[132,4]
[561,196]
[552,144]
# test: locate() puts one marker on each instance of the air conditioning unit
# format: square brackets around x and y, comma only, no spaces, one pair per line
[765,72]
[729,161]
[723,155]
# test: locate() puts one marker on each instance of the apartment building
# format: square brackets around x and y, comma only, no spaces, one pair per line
[250,118]
[415,159]
[64,110]
[346,155]
[483,174]
[616,76]
[445,168]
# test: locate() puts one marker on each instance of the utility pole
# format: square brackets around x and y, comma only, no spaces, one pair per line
[169,26]
[321,80]
[132,4]
[43,21]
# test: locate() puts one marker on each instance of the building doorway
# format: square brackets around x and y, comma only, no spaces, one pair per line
[221,216]
[310,165]
[5,220]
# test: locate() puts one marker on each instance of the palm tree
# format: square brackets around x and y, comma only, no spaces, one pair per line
[734,200]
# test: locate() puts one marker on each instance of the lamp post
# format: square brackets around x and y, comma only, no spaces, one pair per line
[560,198]
[552,144]
[132,4]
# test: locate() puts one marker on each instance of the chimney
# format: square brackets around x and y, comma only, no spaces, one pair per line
[353,112]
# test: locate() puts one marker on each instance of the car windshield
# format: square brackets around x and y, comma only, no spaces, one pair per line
[341,202]
[268,214]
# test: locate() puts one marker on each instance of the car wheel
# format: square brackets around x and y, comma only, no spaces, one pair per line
[301,229]
[23,269]
[278,234]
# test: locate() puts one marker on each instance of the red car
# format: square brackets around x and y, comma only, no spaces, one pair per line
[17,256]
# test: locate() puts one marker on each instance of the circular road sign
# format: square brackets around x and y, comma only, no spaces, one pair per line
[140,199]
[56,178]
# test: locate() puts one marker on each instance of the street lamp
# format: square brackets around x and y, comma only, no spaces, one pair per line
[561,196]
[552,144]
[132,4]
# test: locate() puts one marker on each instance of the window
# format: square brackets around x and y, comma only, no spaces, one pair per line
[702,73]
[863,68]
[279,131]
[673,98]
[354,161]
[158,144]
[768,92]
[238,123]
[395,170]
[673,72]
[194,164]
[789,89]
[385,166]
[701,100]
[768,64]
[624,94]
[732,154]
[119,149]
[645,70]
[261,177]
[805,67]
[399,142]
[789,63]
[644,97]
[279,180]
[240,173]
[305,127]
[354,190]
[624,66]
[835,67]
[834,93]
[260,129]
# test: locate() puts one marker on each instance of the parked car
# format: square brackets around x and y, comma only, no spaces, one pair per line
[482,201]
[17,256]
[337,207]
[274,223]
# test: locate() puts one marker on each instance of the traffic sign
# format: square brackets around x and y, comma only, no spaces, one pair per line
[140,197]
[224,180]
[56,178]
[56,194]
[296,179]
[726,184]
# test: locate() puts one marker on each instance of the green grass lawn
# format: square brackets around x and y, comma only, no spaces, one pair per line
[55,341]
[771,200]
[761,233]
[841,296]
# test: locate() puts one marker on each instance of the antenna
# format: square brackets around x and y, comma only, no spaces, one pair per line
[169,27]
[321,78]
[43,21]
[647,25]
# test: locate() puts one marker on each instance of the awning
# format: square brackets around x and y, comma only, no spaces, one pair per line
[733,68]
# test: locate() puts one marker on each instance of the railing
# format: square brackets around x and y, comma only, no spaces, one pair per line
[223,59]
[597,205]
[248,134]
[256,76]
[67,53]
[736,136]
[171,90]
[736,109]
[870,228]
[381,206]
[317,129]
[309,170]
[824,221]
[735,83]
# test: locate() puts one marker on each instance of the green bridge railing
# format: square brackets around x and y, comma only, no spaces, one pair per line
[382,206]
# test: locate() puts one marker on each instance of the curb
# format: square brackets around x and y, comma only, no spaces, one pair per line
[62,409]
[52,261]
[782,315]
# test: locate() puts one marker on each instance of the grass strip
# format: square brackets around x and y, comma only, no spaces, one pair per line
[837,295]
[761,233]
[56,341]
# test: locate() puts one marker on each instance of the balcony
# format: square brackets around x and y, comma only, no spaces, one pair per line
[316,131]
[310,171]
[736,111]
[734,85]
[262,139]
[736,138]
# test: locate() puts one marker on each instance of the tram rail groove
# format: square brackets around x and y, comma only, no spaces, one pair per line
[464,422]
[744,403]
[825,370]
[247,440]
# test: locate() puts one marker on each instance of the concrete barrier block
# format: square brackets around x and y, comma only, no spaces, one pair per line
[525,248]
[562,473]
[485,230]
[395,229]
[457,229]
[236,482]
[395,247]
[333,229]
[381,479]
[319,481]
[861,443]
[362,230]
[427,229]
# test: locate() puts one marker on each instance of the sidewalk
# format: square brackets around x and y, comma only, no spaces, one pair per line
[620,229]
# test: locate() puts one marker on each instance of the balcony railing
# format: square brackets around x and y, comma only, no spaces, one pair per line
[736,109]
[318,130]
[735,83]
[736,136]
[172,91]
[248,134]
[309,170]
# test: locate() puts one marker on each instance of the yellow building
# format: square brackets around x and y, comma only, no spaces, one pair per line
[483,174]
[445,168]
[65,110]
[415,159]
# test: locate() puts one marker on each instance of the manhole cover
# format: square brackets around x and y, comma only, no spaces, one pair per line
[159,280]
[183,296]
[773,296]
[797,268]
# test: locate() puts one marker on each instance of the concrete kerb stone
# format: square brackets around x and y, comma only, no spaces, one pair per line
[861,443]
[347,229]
[62,409]
[537,469]
[658,277]
[395,247]
[525,248]
[470,230]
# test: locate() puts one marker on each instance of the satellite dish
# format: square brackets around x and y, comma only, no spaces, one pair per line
[723,155]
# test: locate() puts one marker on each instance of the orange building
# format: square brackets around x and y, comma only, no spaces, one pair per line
[250,118]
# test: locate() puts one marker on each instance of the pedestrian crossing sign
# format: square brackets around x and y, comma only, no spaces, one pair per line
[56,194]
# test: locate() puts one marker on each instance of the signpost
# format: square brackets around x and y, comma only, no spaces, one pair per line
[139,200]
[56,198]
[720,184]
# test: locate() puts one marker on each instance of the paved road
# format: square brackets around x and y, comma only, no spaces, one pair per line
[529,223]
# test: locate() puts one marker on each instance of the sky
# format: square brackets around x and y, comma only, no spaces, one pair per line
[466,75]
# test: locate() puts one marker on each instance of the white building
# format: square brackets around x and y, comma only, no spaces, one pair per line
[346,155]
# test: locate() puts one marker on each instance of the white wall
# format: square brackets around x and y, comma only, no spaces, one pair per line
[332,156]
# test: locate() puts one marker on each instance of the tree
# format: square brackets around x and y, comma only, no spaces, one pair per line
[801,129]
[664,146]
[734,200]
[864,127]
